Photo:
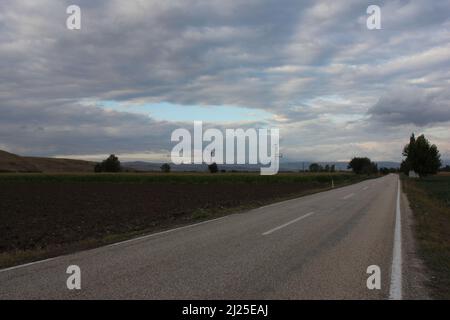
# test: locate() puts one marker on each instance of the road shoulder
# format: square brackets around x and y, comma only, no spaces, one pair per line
[415,273]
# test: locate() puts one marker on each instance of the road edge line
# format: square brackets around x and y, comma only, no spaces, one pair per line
[395,290]
[115,243]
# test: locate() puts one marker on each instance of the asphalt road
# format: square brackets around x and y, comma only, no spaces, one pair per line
[314,247]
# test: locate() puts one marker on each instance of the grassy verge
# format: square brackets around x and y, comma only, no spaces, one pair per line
[430,201]
[46,215]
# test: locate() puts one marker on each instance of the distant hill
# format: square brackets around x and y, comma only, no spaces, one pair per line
[10,162]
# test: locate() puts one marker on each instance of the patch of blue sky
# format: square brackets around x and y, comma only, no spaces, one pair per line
[175,112]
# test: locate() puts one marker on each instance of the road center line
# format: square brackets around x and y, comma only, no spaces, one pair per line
[348,196]
[395,291]
[287,223]
[164,232]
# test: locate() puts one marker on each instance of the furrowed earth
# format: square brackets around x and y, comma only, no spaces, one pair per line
[47,215]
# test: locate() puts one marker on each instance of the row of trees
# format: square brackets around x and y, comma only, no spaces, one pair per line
[112,164]
[358,165]
[421,156]
[315,167]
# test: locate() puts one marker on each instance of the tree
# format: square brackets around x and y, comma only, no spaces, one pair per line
[165,168]
[111,164]
[373,168]
[315,167]
[362,165]
[421,156]
[409,153]
[98,167]
[213,168]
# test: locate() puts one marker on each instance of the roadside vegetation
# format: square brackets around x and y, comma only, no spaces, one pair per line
[421,157]
[45,215]
[429,199]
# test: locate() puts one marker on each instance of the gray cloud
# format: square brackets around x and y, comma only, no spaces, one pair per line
[313,64]
[70,128]
[405,106]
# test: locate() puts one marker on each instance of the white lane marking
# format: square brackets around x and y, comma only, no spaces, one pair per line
[348,196]
[164,232]
[26,265]
[287,223]
[365,188]
[116,243]
[395,292]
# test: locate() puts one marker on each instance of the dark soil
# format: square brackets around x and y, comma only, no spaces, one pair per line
[38,215]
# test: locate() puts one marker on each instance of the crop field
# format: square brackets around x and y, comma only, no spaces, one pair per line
[177,177]
[43,215]
[430,201]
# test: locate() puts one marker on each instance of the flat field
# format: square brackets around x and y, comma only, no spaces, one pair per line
[44,215]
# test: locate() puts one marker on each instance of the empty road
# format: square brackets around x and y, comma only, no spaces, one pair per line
[314,247]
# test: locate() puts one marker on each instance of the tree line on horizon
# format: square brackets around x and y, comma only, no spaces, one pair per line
[421,157]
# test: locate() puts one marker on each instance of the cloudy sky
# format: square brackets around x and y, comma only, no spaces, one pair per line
[139,69]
